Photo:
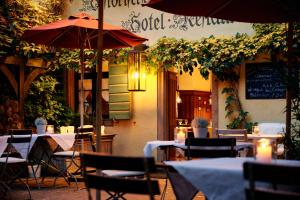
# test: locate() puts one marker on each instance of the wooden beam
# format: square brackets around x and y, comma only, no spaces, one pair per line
[31,77]
[12,60]
[36,62]
[21,93]
[10,77]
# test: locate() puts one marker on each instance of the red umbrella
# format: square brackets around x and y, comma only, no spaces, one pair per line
[81,31]
[254,11]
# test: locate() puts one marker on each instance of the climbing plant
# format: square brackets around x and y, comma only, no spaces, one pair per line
[16,16]
[221,56]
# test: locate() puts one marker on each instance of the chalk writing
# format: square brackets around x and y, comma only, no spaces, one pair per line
[264,81]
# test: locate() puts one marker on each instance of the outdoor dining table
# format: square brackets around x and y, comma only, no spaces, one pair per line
[268,136]
[65,141]
[217,178]
[151,145]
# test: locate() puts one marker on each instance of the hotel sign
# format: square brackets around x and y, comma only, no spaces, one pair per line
[154,24]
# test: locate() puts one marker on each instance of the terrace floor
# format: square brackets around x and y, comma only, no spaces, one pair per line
[64,192]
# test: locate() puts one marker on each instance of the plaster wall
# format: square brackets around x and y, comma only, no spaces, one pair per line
[193,82]
[133,134]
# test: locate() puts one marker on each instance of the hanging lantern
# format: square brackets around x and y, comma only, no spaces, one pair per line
[137,71]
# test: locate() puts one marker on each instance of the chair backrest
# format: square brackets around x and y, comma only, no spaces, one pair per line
[238,134]
[19,131]
[19,141]
[272,181]
[120,184]
[210,147]
[84,141]
[85,130]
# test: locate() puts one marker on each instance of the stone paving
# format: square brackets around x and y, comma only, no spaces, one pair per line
[64,192]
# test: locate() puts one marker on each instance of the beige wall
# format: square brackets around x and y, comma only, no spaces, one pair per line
[264,110]
[133,134]
[194,82]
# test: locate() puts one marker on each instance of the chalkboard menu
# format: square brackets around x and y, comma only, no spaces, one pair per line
[264,81]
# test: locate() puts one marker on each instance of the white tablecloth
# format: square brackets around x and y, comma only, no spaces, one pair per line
[151,145]
[3,143]
[217,178]
[65,141]
[269,136]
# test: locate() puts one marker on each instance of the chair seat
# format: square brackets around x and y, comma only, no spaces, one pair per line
[122,173]
[12,160]
[66,153]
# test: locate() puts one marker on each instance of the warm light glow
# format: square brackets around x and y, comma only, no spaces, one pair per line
[178,99]
[264,150]
[136,71]
[180,134]
[255,130]
[50,129]
[136,75]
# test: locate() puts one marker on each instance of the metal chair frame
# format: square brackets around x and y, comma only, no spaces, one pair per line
[272,181]
[117,186]
[11,161]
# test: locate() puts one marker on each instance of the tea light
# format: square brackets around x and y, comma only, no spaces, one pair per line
[256,130]
[70,129]
[264,150]
[63,129]
[50,129]
[180,136]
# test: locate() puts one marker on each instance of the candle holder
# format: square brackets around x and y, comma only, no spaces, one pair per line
[263,149]
[63,129]
[255,130]
[180,134]
[50,129]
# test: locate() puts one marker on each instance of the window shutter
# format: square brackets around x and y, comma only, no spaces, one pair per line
[119,96]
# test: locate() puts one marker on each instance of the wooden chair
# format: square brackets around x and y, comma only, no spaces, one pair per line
[272,181]
[210,147]
[12,167]
[117,186]
[239,134]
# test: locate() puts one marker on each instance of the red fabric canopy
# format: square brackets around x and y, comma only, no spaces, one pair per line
[81,31]
[254,11]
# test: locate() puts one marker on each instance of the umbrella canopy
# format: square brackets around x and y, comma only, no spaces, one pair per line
[81,31]
[254,11]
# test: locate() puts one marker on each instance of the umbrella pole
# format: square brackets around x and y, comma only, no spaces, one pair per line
[99,83]
[288,142]
[81,87]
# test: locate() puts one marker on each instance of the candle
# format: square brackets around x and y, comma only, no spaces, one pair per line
[256,130]
[50,129]
[264,150]
[63,129]
[180,136]
[70,129]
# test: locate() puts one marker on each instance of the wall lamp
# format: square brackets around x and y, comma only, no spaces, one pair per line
[137,71]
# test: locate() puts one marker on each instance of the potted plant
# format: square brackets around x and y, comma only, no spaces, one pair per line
[199,126]
[40,124]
